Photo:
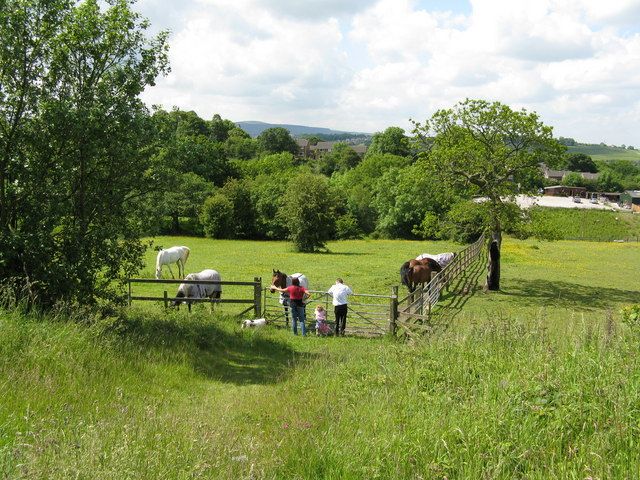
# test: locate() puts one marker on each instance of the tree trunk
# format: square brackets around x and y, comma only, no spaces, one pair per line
[493,275]
[175,223]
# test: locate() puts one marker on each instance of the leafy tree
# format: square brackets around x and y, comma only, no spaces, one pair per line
[573,179]
[347,227]
[609,182]
[239,144]
[486,148]
[358,186]
[580,162]
[308,212]
[567,141]
[178,123]
[239,194]
[183,145]
[217,216]
[342,157]
[73,130]
[184,200]
[392,140]
[267,196]
[220,128]
[277,140]
[276,164]
[402,199]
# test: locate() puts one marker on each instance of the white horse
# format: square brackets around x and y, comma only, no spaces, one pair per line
[171,255]
[198,290]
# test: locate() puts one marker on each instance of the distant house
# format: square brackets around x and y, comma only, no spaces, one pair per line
[360,149]
[558,175]
[304,149]
[565,191]
[322,147]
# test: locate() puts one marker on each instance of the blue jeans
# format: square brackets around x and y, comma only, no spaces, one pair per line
[297,315]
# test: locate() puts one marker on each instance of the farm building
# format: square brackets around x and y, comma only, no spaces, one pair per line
[565,191]
[613,197]
[631,198]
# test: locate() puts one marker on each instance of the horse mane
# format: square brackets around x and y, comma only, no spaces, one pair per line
[434,265]
[405,271]
[158,257]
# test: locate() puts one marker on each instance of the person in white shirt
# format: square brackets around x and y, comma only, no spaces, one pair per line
[340,292]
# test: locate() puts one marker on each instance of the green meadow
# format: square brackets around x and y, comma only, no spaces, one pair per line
[604,152]
[540,380]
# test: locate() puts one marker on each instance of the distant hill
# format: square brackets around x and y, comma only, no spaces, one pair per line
[255,128]
[604,152]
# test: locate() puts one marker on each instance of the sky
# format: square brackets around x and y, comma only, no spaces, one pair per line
[365,65]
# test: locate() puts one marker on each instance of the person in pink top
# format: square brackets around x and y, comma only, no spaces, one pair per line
[297,295]
[322,327]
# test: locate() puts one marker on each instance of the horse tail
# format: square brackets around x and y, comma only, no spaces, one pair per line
[185,255]
[405,271]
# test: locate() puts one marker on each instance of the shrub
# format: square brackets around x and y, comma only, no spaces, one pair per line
[347,227]
[217,216]
[631,317]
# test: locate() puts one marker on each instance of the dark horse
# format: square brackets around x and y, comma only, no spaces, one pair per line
[282,280]
[414,272]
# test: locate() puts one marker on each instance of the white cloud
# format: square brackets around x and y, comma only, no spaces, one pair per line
[367,65]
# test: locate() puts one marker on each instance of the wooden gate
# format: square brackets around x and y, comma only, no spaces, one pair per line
[368,315]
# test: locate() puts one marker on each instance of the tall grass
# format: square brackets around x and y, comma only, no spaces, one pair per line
[538,381]
[595,225]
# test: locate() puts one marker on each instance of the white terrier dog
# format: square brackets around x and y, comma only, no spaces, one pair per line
[258,322]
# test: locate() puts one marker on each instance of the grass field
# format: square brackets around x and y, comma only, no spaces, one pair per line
[604,152]
[540,380]
[579,224]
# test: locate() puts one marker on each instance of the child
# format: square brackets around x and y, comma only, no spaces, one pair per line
[322,328]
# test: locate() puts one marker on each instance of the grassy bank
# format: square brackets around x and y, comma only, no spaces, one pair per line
[538,381]
[594,225]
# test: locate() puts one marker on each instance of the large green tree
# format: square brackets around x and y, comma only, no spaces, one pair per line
[488,149]
[277,140]
[580,162]
[72,138]
[393,140]
[308,211]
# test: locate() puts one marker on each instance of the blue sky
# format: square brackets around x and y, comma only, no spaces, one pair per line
[365,65]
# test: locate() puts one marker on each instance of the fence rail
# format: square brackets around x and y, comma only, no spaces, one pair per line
[255,301]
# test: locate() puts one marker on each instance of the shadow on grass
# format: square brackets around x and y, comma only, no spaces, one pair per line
[566,295]
[461,290]
[215,348]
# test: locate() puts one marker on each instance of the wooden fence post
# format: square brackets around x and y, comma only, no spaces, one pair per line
[257,294]
[166,302]
[129,297]
[393,310]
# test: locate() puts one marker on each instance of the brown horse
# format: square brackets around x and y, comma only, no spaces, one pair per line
[282,280]
[415,272]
